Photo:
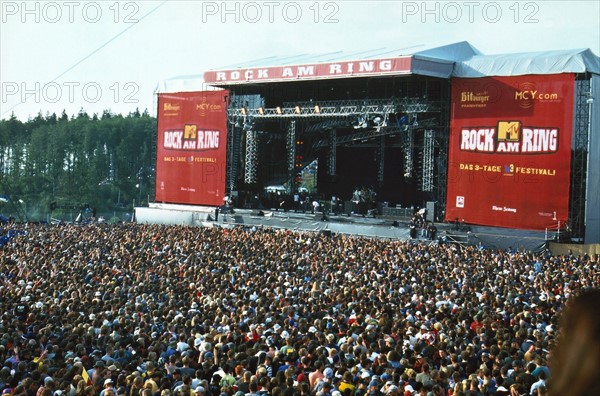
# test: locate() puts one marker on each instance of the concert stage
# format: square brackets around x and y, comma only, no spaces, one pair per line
[501,142]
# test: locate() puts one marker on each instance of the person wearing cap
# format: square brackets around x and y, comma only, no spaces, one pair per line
[96,373]
[326,380]
[373,389]
[109,388]
[393,390]
[325,389]
[177,379]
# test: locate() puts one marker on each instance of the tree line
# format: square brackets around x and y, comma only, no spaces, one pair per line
[59,166]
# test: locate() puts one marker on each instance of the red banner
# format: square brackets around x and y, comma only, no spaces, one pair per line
[400,65]
[191,153]
[510,151]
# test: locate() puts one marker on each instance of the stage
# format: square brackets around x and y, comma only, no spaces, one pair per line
[447,128]
[380,226]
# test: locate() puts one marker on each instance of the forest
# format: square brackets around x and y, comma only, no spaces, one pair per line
[60,167]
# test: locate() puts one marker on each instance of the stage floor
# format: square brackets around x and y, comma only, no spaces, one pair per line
[380,226]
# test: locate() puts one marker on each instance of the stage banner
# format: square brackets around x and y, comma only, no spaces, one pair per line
[191,150]
[510,151]
[329,70]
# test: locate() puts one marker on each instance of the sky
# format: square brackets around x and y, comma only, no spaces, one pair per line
[111,55]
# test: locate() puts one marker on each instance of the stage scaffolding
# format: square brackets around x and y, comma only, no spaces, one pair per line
[579,164]
[427,161]
[251,160]
[361,120]
[332,153]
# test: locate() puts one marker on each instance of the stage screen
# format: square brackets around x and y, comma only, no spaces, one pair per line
[191,151]
[510,151]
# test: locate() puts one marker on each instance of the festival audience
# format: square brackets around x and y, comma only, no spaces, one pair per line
[142,310]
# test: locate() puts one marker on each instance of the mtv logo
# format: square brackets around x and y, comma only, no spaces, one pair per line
[189,131]
[460,201]
[509,131]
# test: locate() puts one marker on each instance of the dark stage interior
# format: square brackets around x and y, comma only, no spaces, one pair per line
[387,134]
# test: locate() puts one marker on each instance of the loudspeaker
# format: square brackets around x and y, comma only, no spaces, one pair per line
[395,224]
[348,207]
[430,215]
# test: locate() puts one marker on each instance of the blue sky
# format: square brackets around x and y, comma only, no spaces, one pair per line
[99,55]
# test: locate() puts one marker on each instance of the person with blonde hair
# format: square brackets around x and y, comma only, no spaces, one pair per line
[575,366]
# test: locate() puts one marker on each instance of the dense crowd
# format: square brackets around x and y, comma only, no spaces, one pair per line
[168,310]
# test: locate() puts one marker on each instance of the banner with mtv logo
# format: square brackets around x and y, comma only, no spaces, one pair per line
[191,148]
[510,151]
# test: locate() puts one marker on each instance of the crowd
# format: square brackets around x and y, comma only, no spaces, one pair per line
[168,310]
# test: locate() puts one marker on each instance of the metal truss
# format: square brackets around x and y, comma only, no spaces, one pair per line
[441,157]
[406,105]
[327,125]
[408,145]
[340,108]
[233,152]
[291,152]
[380,154]
[579,160]
[332,157]
[427,161]
[251,159]
[373,133]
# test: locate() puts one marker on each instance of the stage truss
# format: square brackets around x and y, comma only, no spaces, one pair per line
[579,161]
[371,119]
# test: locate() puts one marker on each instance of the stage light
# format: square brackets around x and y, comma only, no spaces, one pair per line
[243,111]
[317,109]
[360,122]
[297,109]
[261,110]
[278,110]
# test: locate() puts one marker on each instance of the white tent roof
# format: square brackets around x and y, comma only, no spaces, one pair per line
[518,64]
[453,52]
[454,60]
[191,83]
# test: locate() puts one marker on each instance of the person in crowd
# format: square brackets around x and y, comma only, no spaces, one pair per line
[576,363]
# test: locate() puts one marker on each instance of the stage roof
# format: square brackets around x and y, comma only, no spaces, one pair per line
[454,60]
[546,62]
